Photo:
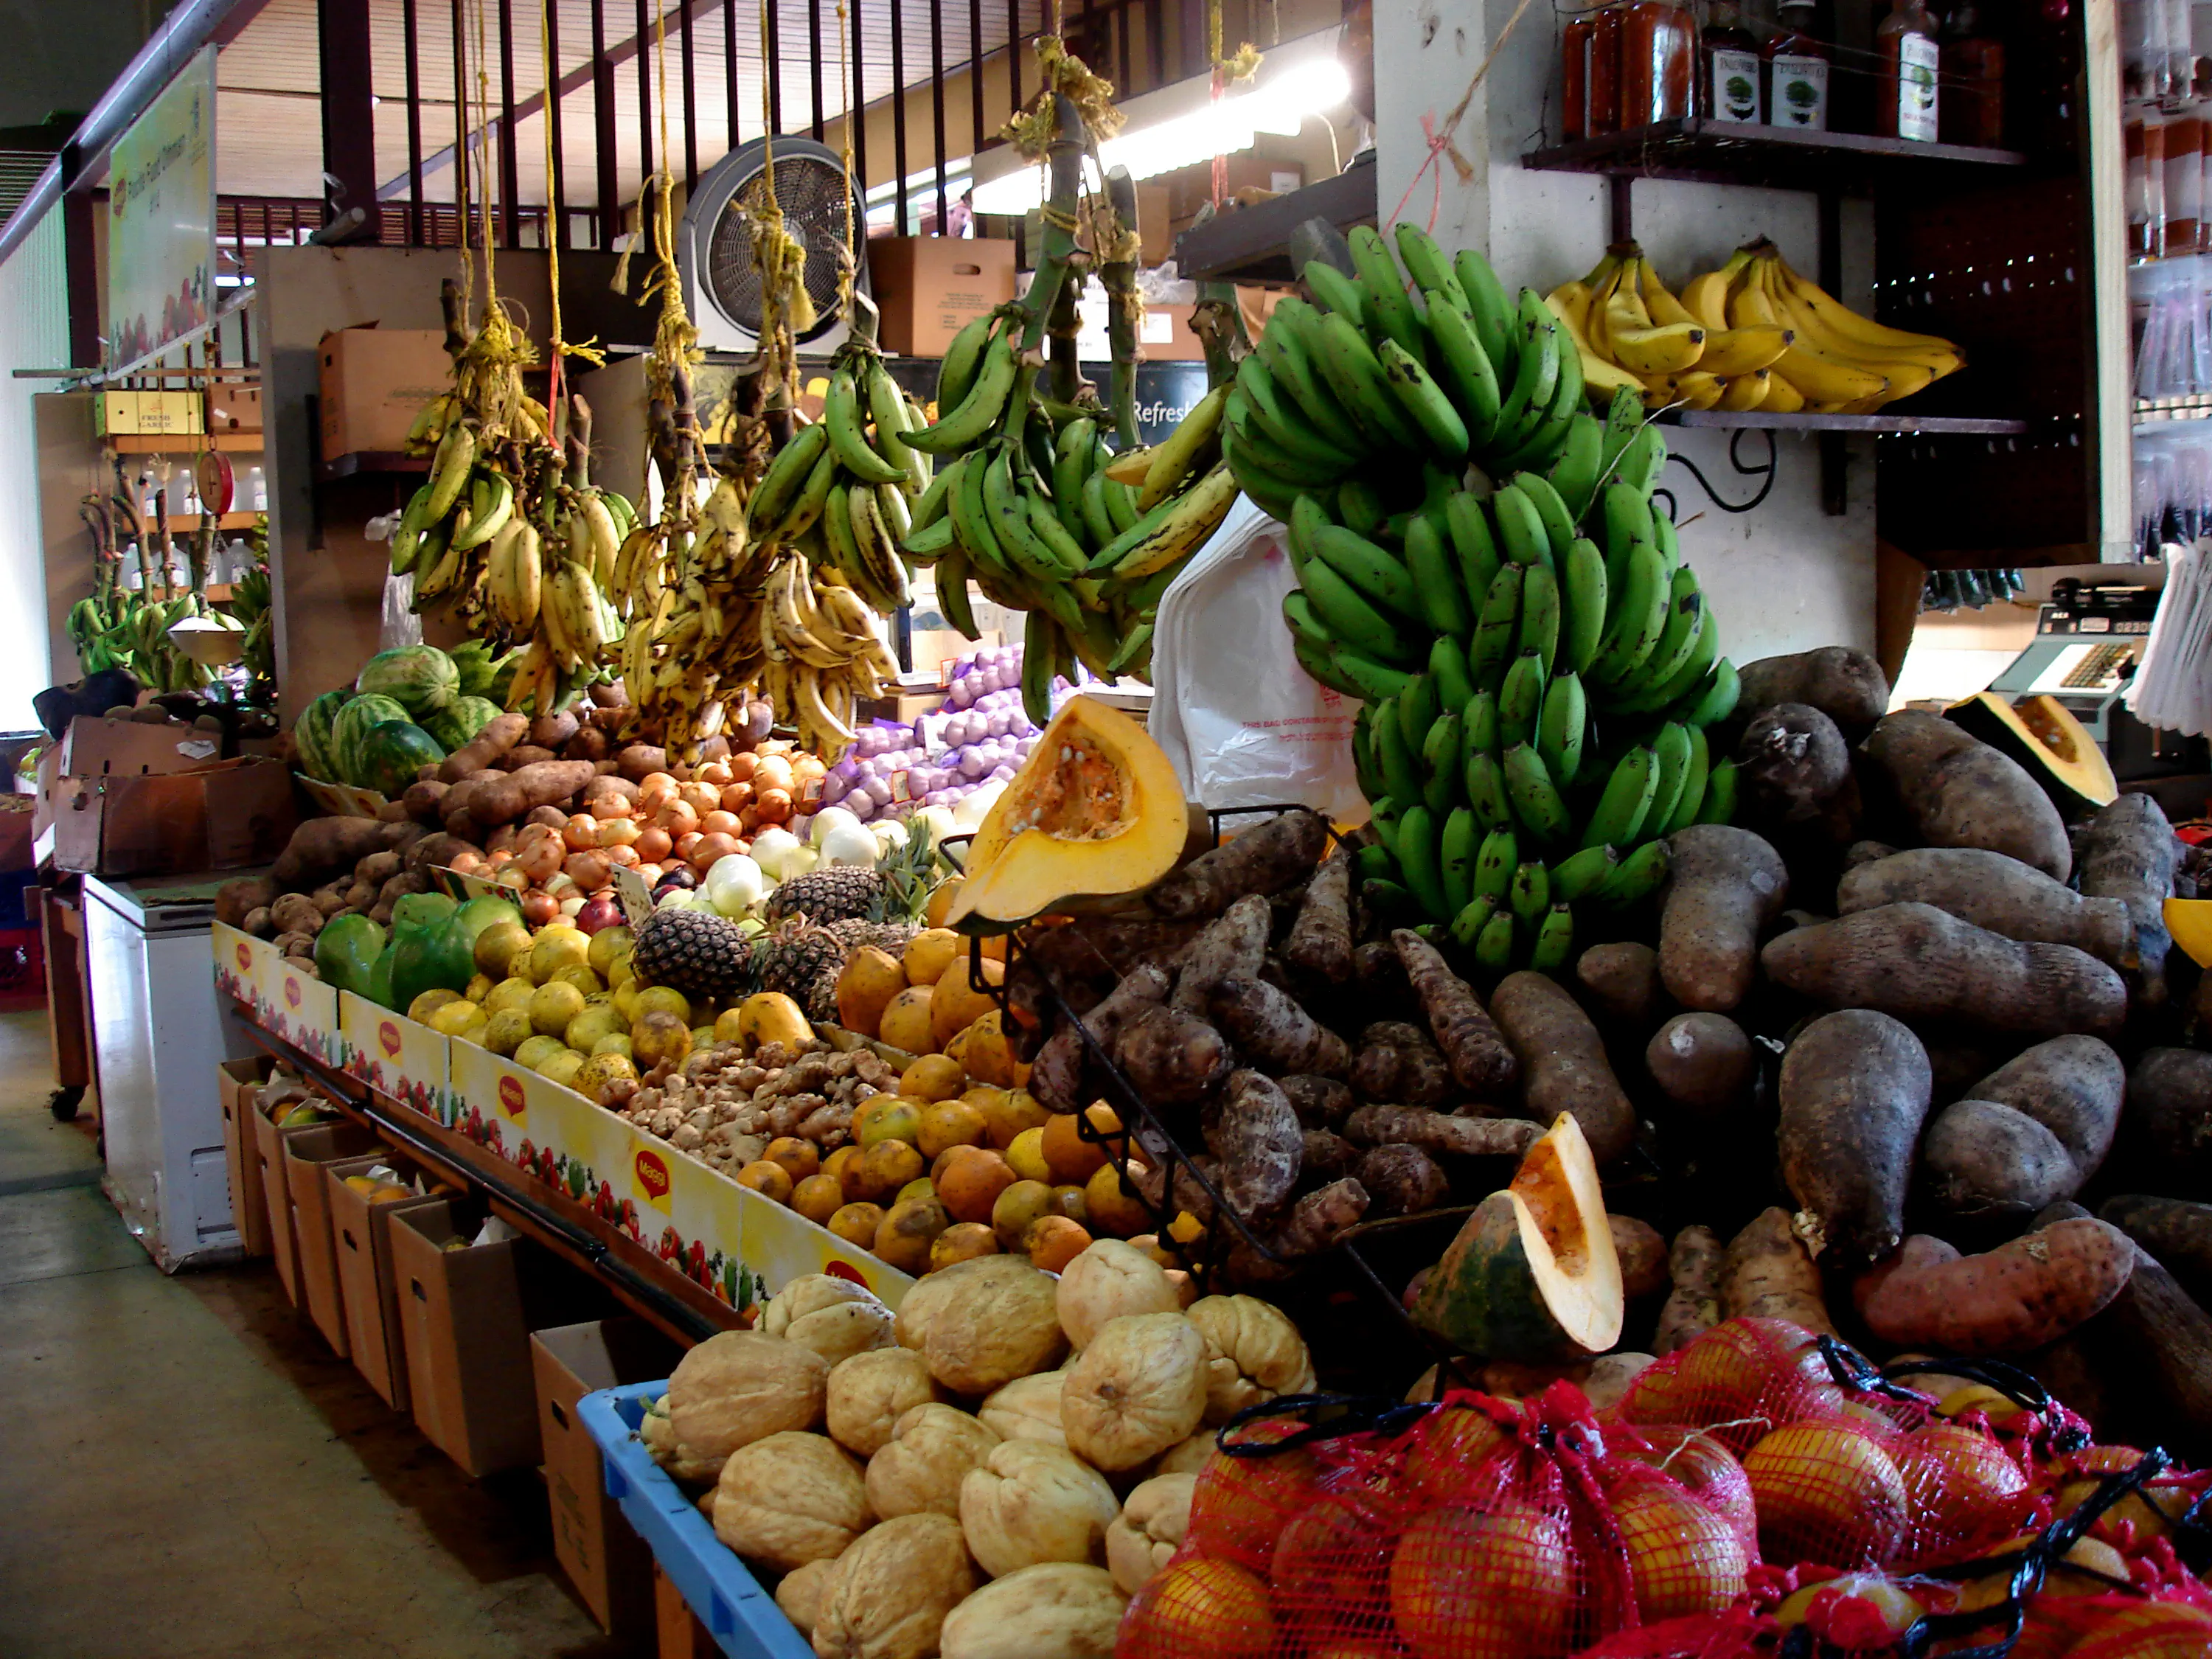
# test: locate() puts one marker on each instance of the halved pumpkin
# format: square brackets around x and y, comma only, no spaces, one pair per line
[1095,811]
[2189,922]
[1533,1275]
[2041,734]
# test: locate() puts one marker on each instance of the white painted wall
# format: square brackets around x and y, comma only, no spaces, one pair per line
[1782,578]
[33,334]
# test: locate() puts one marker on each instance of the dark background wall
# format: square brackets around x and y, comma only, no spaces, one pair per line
[63,54]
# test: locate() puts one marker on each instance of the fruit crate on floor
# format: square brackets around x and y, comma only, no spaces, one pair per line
[737,1610]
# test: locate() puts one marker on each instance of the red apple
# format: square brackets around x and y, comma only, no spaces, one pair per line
[599,913]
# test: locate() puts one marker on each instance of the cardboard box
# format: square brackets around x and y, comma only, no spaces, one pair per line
[238,1084]
[929,288]
[605,1560]
[128,798]
[306,1152]
[467,1343]
[115,414]
[374,383]
[171,412]
[361,1239]
[277,1195]
[233,406]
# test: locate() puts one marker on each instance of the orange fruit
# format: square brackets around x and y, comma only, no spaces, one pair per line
[843,1166]
[1007,1112]
[1110,1209]
[817,1198]
[801,1157]
[1070,1155]
[952,1123]
[856,1223]
[768,1179]
[970,1180]
[905,1234]
[887,1117]
[963,1241]
[889,1165]
[932,1078]
[1054,1241]
[1017,1208]
[954,1003]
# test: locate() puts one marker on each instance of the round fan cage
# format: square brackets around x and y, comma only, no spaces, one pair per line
[812,189]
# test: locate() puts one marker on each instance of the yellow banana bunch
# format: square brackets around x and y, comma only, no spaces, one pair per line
[1632,331]
[1838,363]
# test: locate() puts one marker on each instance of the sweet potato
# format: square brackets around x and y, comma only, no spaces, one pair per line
[239,897]
[1478,1054]
[2129,852]
[1848,686]
[1791,762]
[438,849]
[609,796]
[1263,860]
[640,761]
[499,734]
[2176,1230]
[1982,1160]
[1563,1063]
[1694,1263]
[1256,1136]
[1959,792]
[1769,1274]
[256,922]
[2073,1086]
[2018,1297]
[545,783]
[1724,886]
[1322,1103]
[1402,1180]
[1643,1254]
[525,753]
[323,848]
[1994,891]
[1320,938]
[2170,1114]
[1624,980]
[2153,1330]
[1867,852]
[1396,1062]
[1921,963]
[424,800]
[591,743]
[1056,1075]
[1272,1031]
[1171,1056]
[1853,1093]
[552,730]
[1439,1133]
[1234,946]
[1704,1063]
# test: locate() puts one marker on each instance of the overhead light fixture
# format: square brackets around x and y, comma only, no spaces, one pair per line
[1280,105]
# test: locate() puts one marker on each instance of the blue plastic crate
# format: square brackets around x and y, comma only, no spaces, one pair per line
[742,1617]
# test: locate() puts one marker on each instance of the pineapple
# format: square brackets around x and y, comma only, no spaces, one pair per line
[708,958]
[803,960]
[896,889]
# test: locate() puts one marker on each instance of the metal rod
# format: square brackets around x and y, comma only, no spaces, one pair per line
[772,54]
[1155,40]
[730,71]
[937,102]
[604,157]
[974,81]
[691,108]
[814,62]
[510,172]
[407,22]
[856,112]
[898,116]
[460,116]
[1014,57]
[342,44]
[557,187]
[644,106]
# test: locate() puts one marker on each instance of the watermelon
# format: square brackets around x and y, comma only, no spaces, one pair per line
[421,678]
[310,736]
[351,727]
[476,665]
[459,720]
[393,752]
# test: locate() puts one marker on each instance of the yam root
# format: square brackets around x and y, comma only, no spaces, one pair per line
[1792,762]
[640,761]
[1056,1078]
[323,848]
[2019,1296]
[239,898]
[2176,1230]
[1477,1054]
[1396,1062]
[1724,886]
[1233,947]
[1921,963]
[1694,1262]
[1320,938]
[2170,1112]
[2073,1086]
[1853,1092]
[1769,1274]
[1172,1056]
[1994,891]
[1322,1103]
[2129,852]
[1256,1136]
[1867,852]
[1959,792]
[1643,1254]
[499,734]
[1704,1063]
[1624,980]
[1093,948]
[1326,1157]
[1562,1062]
[1402,1180]
[1271,1030]
[1848,686]
[1438,1132]
[1316,1222]
[1264,859]
[1982,1159]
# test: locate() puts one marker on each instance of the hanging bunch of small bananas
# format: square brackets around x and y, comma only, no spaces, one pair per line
[250,607]
[1752,335]
[1036,509]
[130,631]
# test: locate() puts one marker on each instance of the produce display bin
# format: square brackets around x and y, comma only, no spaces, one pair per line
[238,1084]
[737,1610]
[361,1240]
[466,1340]
[306,1152]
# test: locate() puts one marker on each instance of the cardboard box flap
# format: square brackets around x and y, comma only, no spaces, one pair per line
[96,747]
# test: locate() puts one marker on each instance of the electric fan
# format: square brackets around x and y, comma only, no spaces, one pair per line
[714,241]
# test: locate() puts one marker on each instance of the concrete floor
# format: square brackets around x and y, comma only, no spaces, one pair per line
[188,1473]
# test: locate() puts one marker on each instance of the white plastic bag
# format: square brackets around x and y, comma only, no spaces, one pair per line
[1240,721]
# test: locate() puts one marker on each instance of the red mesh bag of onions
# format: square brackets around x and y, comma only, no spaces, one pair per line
[1848,1469]
[1471,1528]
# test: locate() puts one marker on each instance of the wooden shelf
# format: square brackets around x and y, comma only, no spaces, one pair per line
[184,521]
[1730,152]
[215,592]
[1733,420]
[185,443]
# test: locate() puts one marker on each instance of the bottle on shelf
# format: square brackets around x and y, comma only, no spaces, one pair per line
[2200,104]
[1796,70]
[1905,91]
[1658,55]
[1728,59]
[2184,179]
[1574,76]
[1973,65]
[1605,65]
[256,490]
[2144,131]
